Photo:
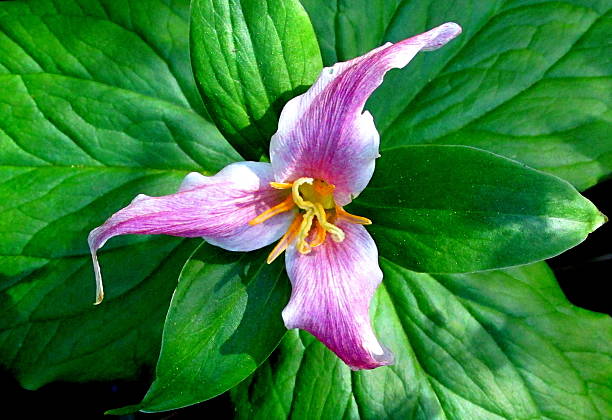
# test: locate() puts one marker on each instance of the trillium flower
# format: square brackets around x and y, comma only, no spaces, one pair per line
[322,157]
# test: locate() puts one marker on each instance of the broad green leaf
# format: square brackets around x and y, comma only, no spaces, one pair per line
[140,46]
[249,58]
[55,120]
[90,116]
[500,344]
[49,329]
[348,28]
[223,322]
[527,79]
[455,209]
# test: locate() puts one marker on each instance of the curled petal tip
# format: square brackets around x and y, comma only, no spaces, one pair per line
[452,27]
[93,247]
[385,358]
[99,299]
[441,35]
[217,208]
[98,275]
[325,134]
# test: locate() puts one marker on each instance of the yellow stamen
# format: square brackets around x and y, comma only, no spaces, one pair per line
[336,233]
[286,205]
[302,246]
[321,195]
[320,235]
[297,197]
[358,220]
[281,185]
[286,240]
[316,218]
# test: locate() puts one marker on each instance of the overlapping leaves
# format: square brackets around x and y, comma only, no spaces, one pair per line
[528,79]
[501,344]
[249,59]
[456,209]
[222,324]
[95,108]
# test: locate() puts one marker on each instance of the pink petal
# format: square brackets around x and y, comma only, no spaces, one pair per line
[332,289]
[324,133]
[217,208]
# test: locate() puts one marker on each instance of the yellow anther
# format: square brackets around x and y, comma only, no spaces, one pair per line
[286,240]
[303,191]
[284,206]
[358,220]
[281,185]
[319,236]
[315,199]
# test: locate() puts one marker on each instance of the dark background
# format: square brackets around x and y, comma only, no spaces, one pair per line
[582,273]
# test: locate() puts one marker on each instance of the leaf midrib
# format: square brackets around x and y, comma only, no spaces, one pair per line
[147,98]
[86,15]
[522,320]
[430,377]
[466,212]
[434,77]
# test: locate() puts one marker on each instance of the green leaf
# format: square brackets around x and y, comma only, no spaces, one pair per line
[56,120]
[500,344]
[223,322]
[140,46]
[454,209]
[249,58]
[348,28]
[49,329]
[93,112]
[527,79]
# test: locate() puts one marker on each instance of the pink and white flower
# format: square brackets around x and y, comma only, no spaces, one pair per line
[322,157]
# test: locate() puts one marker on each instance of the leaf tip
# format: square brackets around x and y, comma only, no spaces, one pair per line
[129,409]
[600,220]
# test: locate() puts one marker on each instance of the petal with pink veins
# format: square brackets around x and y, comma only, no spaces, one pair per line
[332,287]
[325,134]
[216,208]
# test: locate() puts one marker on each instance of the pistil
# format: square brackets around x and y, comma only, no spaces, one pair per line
[317,212]
[320,195]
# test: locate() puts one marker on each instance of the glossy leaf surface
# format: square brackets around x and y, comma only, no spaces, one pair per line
[224,321]
[455,209]
[249,58]
[527,79]
[501,344]
[78,141]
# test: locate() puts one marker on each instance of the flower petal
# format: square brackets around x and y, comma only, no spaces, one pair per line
[332,289]
[217,208]
[324,133]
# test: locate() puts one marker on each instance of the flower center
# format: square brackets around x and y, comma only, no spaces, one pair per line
[315,198]
[316,213]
